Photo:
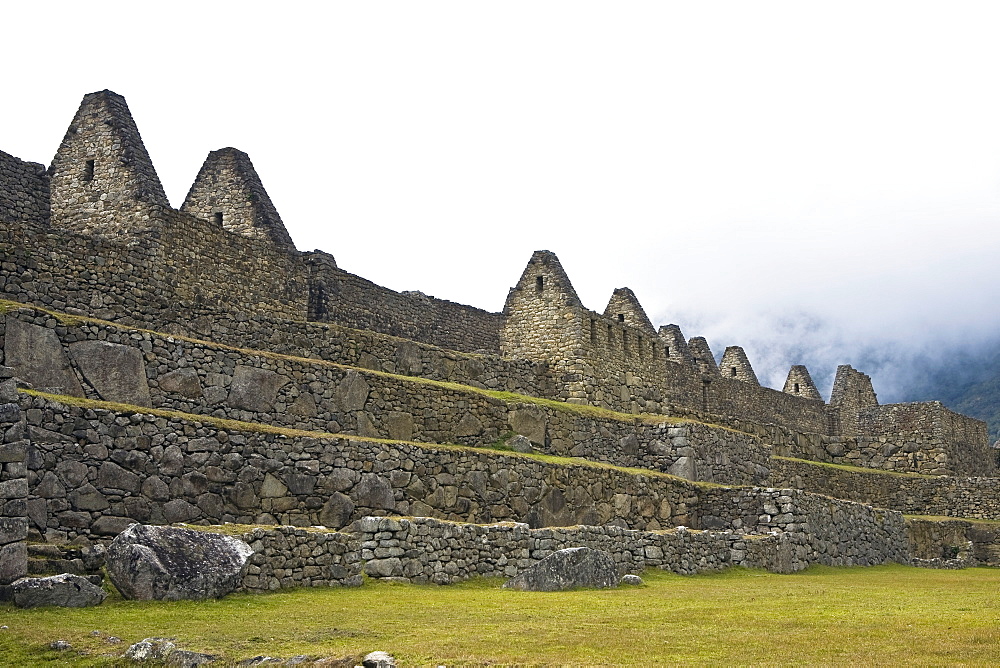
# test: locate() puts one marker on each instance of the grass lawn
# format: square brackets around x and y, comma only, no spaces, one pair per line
[886,615]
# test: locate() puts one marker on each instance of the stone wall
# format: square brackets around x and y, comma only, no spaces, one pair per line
[24,190]
[285,557]
[161,371]
[92,471]
[953,543]
[906,493]
[13,484]
[182,264]
[424,550]
[822,530]
[346,299]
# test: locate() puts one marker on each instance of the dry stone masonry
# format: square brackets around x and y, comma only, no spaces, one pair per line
[164,366]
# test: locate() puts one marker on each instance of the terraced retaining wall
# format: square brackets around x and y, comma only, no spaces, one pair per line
[911,494]
[159,370]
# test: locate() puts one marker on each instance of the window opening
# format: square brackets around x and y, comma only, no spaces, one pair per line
[733,372]
[218,218]
[593,331]
[539,283]
[88,171]
[796,388]
[621,317]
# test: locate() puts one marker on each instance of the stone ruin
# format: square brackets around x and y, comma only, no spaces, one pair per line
[190,366]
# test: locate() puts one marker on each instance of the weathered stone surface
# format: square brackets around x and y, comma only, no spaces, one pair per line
[633,580]
[255,389]
[117,372]
[150,649]
[352,393]
[170,563]
[400,426]
[187,659]
[337,511]
[37,356]
[519,443]
[13,562]
[304,406]
[378,660]
[684,467]
[65,591]
[182,381]
[469,425]
[529,421]
[568,569]
[373,491]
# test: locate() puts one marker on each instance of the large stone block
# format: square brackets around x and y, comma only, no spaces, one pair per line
[184,382]
[64,591]
[352,393]
[170,563]
[568,569]
[37,356]
[529,421]
[255,389]
[117,372]
[13,562]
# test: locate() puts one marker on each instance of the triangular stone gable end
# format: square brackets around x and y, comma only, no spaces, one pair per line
[800,383]
[625,308]
[702,355]
[852,388]
[102,178]
[544,280]
[228,192]
[675,347]
[736,366]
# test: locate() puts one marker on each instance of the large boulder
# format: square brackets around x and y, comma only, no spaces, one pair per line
[568,569]
[65,591]
[170,563]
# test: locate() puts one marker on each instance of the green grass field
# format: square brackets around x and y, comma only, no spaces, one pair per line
[887,615]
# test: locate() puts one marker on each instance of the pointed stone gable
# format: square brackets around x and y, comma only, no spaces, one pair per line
[736,366]
[676,348]
[800,383]
[852,389]
[229,192]
[103,180]
[703,356]
[544,280]
[624,307]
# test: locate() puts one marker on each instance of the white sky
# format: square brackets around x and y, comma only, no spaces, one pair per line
[819,182]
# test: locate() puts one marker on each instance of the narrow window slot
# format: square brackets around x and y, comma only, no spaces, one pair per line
[88,171]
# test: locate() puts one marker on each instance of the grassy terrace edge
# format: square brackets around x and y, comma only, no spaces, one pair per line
[69,320]
[854,469]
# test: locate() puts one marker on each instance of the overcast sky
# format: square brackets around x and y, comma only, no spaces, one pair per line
[818,182]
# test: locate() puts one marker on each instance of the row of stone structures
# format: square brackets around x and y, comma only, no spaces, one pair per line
[216,316]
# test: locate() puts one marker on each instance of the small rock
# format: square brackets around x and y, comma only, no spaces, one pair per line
[519,443]
[150,649]
[188,659]
[631,580]
[378,660]
[113,640]
[60,645]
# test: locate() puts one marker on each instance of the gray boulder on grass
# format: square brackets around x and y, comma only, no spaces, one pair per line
[170,563]
[65,591]
[568,569]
